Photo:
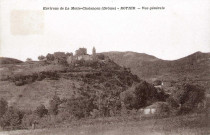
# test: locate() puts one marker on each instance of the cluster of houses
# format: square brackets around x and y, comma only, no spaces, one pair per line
[81,54]
[62,57]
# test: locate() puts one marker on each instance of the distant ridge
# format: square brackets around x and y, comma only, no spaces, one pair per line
[5,60]
[130,58]
[194,66]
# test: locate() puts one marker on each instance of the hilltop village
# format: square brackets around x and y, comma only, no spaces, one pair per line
[70,59]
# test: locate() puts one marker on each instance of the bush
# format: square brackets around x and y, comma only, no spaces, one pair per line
[100,56]
[141,95]
[11,118]
[146,94]
[81,51]
[28,59]
[189,96]
[129,99]
[3,106]
[29,119]
[41,57]
[79,107]
[50,57]
[54,103]
[172,102]
[41,111]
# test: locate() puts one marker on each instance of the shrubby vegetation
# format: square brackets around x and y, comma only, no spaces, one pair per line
[41,57]
[11,118]
[3,106]
[28,59]
[105,90]
[141,95]
[54,103]
[189,96]
[92,104]
[50,57]
[41,111]
[20,79]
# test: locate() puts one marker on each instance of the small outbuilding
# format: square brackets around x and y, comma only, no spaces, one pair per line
[158,109]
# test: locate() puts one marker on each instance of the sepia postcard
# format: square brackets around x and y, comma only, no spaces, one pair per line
[104,67]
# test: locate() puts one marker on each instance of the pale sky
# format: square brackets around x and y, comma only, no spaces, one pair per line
[26,31]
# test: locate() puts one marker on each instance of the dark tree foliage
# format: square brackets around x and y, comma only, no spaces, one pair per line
[11,118]
[129,99]
[41,57]
[69,54]
[50,57]
[80,107]
[145,93]
[141,95]
[81,51]
[100,56]
[54,103]
[28,59]
[172,102]
[41,111]
[189,96]
[3,106]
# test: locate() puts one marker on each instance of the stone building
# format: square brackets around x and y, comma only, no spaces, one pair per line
[81,54]
[85,57]
[60,57]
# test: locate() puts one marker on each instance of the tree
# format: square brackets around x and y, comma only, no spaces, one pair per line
[129,99]
[41,111]
[54,103]
[50,57]
[146,94]
[172,102]
[69,54]
[189,96]
[80,107]
[41,57]
[3,106]
[81,51]
[12,118]
[141,95]
[28,59]
[101,56]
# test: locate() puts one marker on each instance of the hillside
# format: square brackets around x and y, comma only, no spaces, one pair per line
[65,90]
[28,85]
[5,60]
[132,60]
[194,68]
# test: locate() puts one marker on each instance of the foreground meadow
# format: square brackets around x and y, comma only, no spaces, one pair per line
[180,125]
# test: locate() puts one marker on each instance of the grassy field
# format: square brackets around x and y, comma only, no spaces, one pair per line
[180,125]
